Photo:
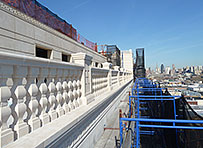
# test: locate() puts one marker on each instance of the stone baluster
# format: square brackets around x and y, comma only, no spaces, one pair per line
[118,81]
[78,77]
[75,94]
[33,104]
[96,82]
[100,82]
[19,74]
[70,95]
[59,97]
[43,98]
[103,79]
[52,99]
[65,97]
[93,86]
[65,91]
[93,81]
[79,92]
[72,77]
[6,134]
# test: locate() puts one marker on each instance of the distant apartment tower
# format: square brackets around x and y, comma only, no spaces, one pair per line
[162,68]
[127,59]
[167,70]
[113,55]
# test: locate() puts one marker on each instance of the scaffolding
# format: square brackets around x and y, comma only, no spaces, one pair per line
[157,119]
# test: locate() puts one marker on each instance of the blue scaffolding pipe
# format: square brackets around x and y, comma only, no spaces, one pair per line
[156,99]
[144,96]
[143,85]
[163,120]
[173,127]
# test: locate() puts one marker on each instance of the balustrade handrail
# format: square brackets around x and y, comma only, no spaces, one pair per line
[99,69]
[45,89]
[8,58]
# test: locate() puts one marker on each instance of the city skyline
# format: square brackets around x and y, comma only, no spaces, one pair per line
[170,31]
[171,66]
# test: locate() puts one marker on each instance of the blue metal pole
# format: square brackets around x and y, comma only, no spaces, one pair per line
[162,120]
[129,107]
[156,99]
[137,134]
[144,96]
[171,127]
[174,106]
[121,131]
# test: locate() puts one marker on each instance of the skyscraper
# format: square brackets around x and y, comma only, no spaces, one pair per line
[162,68]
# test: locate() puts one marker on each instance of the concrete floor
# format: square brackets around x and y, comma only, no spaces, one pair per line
[111,131]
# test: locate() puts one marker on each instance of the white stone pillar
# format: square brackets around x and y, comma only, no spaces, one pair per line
[70,95]
[20,127]
[109,79]
[43,98]
[75,93]
[33,120]
[59,97]
[107,65]
[65,97]
[6,134]
[84,60]
[52,99]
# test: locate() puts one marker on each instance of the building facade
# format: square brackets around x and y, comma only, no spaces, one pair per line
[113,55]
[127,59]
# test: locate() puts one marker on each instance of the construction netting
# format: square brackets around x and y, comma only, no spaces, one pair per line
[171,138]
[189,138]
[41,13]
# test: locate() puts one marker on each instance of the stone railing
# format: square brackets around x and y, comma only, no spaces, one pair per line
[114,78]
[121,80]
[36,91]
[99,80]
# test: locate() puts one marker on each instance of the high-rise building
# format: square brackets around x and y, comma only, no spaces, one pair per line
[127,59]
[191,69]
[113,55]
[162,68]
[167,70]
[173,71]
[140,63]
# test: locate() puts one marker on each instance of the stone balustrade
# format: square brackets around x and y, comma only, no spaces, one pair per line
[99,80]
[114,78]
[36,91]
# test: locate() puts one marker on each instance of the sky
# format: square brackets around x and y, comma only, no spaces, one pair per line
[171,31]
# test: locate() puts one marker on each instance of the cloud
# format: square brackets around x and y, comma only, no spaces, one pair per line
[79,5]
